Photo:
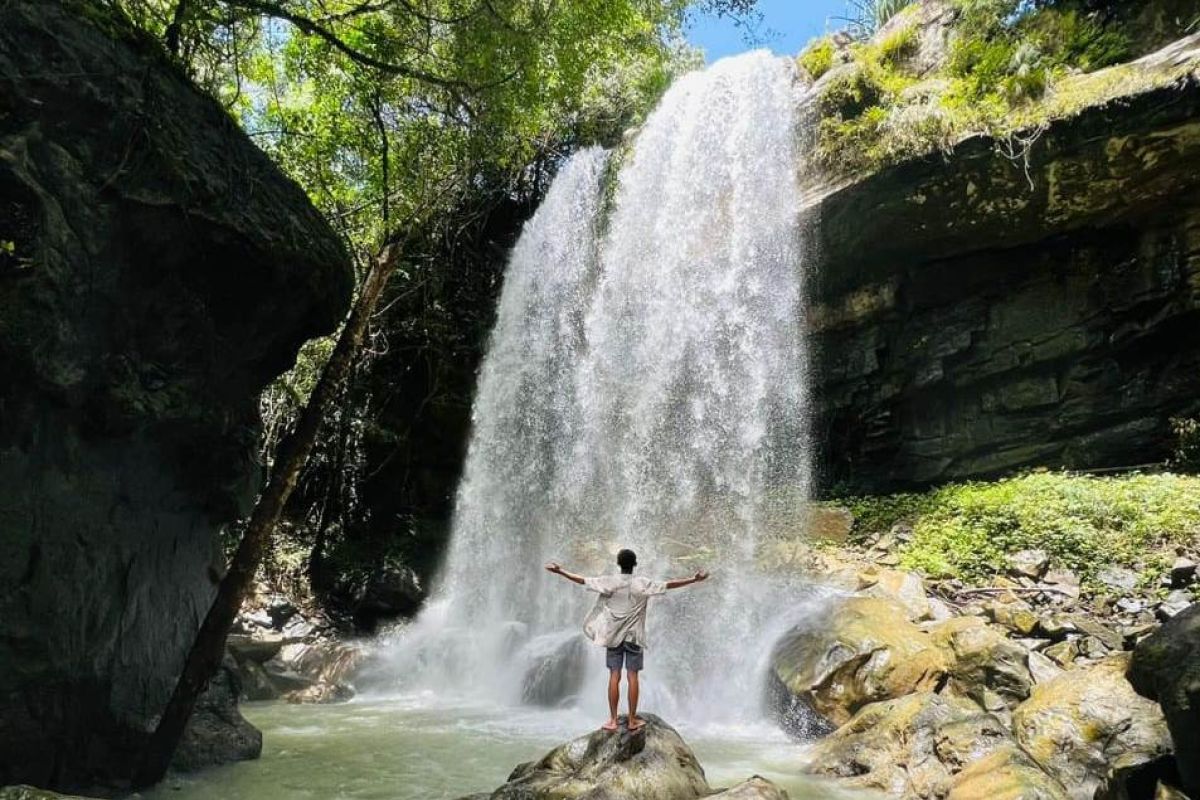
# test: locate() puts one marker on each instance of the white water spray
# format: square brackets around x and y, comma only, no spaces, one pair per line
[644,387]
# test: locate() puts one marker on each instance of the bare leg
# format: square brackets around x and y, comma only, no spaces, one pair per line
[614,698]
[632,677]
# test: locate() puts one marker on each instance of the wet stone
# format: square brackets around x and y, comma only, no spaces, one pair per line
[1183,572]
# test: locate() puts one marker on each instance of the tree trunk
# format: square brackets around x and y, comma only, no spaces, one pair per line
[175,29]
[209,646]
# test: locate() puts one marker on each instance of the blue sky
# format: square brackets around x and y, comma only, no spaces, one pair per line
[787,26]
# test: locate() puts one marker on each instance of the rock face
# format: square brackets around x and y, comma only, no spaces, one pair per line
[157,272]
[968,324]
[1166,667]
[1087,722]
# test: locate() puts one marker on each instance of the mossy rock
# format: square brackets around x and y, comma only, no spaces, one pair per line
[981,657]
[929,745]
[1005,775]
[651,764]
[1087,721]
[867,651]
[1166,667]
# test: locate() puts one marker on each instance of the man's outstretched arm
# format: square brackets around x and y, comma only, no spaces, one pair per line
[557,569]
[679,583]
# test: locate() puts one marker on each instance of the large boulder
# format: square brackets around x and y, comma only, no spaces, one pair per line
[554,666]
[927,745]
[982,658]
[217,733]
[867,650]
[1166,667]
[157,272]
[1089,722]
[975,314]
[387,593]
[905,588]
[652,764]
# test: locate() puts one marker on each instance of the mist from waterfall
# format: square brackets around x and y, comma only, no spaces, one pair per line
[644,387]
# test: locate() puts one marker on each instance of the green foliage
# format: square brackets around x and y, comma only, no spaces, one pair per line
[856,106]
[438,120]
[1011,63]
[898,45]
[388,112]
[1013,49]
[817,58]
[1187,444]
[1083,522]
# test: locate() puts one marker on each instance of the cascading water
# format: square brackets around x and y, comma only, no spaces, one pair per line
[644,387]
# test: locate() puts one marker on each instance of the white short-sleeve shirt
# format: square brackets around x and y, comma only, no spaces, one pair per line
[620,612]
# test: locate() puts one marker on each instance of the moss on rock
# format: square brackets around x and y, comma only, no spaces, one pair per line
[1081,724]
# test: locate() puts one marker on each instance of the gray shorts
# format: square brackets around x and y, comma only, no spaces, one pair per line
[625,654]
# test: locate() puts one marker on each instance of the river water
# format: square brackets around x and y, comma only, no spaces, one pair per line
[417,748]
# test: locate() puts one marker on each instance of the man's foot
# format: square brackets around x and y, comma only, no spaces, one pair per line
[635,724]
[611,725]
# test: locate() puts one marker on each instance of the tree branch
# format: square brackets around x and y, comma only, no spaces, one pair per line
[312,28]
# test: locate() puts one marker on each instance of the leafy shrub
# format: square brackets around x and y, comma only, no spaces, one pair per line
[1014,48]
[1187,444]
[817,58]
[1084,522]
[1006,70]
[855,105]
[851,93]
[898,45]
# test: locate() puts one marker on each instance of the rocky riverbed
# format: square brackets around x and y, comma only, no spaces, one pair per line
[1020,688]
[1036,685]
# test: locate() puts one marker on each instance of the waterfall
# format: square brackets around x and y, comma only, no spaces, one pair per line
[644,387]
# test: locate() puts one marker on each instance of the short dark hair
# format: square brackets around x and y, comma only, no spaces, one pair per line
[626,560]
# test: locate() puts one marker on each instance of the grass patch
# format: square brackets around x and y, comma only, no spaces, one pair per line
[1084,522]
[817,58]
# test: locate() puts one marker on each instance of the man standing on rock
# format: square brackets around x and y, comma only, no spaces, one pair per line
[618,622]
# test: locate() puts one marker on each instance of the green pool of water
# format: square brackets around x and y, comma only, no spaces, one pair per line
[411,749]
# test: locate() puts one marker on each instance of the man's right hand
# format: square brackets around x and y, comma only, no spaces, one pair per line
[700,575]
[554,567]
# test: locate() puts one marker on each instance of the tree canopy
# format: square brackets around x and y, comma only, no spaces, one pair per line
[388,110]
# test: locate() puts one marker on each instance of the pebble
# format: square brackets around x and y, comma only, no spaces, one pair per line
[1042,668]
[1029,563]
[1175,603]
[1062,653]
[1130,605]
[1119,578]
